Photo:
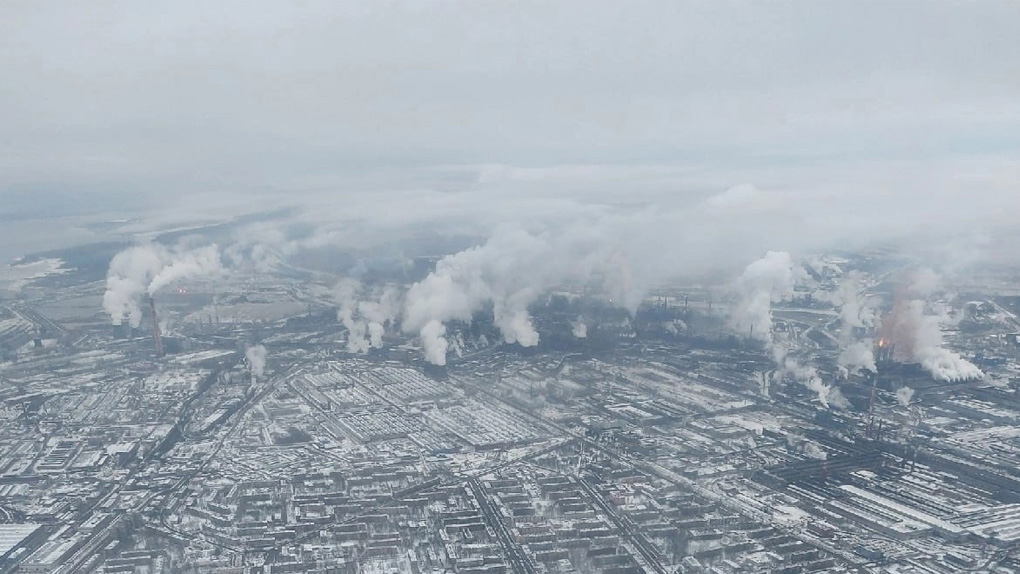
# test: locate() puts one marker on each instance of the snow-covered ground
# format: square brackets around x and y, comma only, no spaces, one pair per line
[16,275]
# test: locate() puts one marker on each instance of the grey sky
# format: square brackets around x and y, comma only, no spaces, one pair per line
[842,104]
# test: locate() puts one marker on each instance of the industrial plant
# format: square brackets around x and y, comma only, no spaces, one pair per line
[509,287]
[226,423]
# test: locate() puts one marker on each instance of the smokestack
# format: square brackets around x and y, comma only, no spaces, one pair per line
[871,406]
[155,328]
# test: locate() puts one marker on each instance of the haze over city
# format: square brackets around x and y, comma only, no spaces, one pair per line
[487,287]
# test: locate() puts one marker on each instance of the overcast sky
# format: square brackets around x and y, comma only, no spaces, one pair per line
[913,103]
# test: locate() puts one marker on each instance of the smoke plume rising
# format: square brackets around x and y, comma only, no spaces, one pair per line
[509,272]
[365,315]
[855,313]
[145,269]
[829,396]
[813,450]
[198,262]
[256,356]
[434,343]
[856,356]
[768,280]
[579,328]
[904,395]
[916,334]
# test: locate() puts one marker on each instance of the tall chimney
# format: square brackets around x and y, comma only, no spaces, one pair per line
[155,328]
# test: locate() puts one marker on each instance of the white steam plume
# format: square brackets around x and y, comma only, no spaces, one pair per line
[856,356]
[579,328]
[916,335]
[510,272]
[813,450]
[346,293]
[128,279]
[375,335]
[365,319]
[256,356]
[768,280]
[198,262]
[434,343]
[904,395]
[828,395]
[145,269]
[855,313]
[806,446]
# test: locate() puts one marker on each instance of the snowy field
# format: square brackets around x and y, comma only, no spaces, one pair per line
[16,275]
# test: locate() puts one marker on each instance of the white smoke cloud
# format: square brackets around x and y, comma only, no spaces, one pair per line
[384,307]
[365,316]
[145,269]
[579,328]
[904,395]
[128,279]
[829,396]
[457,344]
[917,337]
[346,294]
[946,365]
[200,262]
[855,312]
[256,356]
[510,272]
[806,446]
[768,280]
[813,450]
[434,343]
[629,249]
[375,335]
[858,355]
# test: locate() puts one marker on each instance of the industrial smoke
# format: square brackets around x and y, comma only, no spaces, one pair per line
[828,396]
[855,313]
[768,280]
[916,334]
[509,272]
[624,250]
[904,395]
[365,315]
[256,356]
[434,343]
[813,450]
[145,269]
[579,328]
[857,355]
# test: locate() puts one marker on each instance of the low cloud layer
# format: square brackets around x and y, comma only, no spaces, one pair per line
[617,144]
[194,97]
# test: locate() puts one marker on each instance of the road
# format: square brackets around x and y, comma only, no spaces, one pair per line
[519,560]
[627,526]
[684,482]
[238,417]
